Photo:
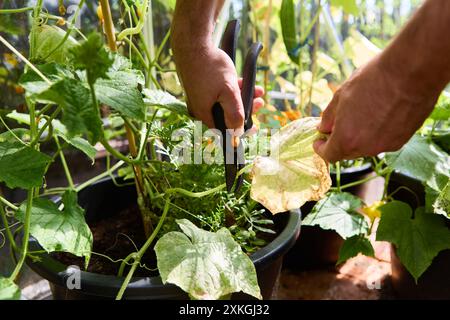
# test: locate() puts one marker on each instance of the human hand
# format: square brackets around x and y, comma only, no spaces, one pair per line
[374,111]
[209,76]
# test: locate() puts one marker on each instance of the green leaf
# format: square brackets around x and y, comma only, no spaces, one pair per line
[349,6]
[92,56]
[289,29]
[47,39]
[442,203]
[206,265]
[8,24]
[443,141]
[79,114]
[59,129]
[418,239]
[442,109]
[165,100]
[35,85]
[8,290]
[169,4]
[421,159]
[120,92]
[338,212]
[354,246]
[21,166]
[57,230]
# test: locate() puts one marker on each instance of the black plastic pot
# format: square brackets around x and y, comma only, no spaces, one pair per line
[435,281]
[106,198]
[318,248]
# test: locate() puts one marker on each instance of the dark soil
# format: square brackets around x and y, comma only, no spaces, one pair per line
[115,237]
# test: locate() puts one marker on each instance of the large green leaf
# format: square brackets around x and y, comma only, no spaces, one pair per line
[289,29]
[35,85]
[79,113]
[21,166]
[423,160]
[418,239]
[169,4]
[354,246]
[57,230]
[338,212]
[91,55]
[443,141]
[60,130]
[442,203]
[47,39]
[121,93]
[8,290]
[349,6]
[162,99]
[206,265]
[442,109]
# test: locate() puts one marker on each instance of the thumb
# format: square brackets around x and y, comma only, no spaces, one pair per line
[328,150]
[231,102]
[327,122]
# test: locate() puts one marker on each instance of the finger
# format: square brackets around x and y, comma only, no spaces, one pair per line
[328,116]
[231,102]
[258,103]
[259,90]
[328,150]
[206,117]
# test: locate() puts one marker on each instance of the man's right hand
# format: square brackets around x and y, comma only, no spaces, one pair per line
[209,76]
[207,73]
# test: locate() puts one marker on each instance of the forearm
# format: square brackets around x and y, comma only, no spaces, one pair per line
[193,23]
[418,59]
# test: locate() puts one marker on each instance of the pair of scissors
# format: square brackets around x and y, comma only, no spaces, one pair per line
[232,146]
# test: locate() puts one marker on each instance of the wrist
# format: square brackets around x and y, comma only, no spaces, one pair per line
[409,78]
[188,35]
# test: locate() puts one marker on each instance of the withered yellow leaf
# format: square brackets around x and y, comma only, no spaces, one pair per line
[293,173]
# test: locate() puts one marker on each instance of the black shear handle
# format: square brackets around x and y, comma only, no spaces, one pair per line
[248,83]
[229,45]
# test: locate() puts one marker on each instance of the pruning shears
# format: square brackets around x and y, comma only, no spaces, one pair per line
[232,146]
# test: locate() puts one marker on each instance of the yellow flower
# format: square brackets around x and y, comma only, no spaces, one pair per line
[10,59]
[372,211]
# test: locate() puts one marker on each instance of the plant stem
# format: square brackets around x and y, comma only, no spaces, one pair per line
[8,230]
[314,58]
[26,235]
[266,53]
[138,53]
[115,153]
[338,176]
[192,194]
[64,164]
[19,10]
[109,26]
[46,124]
[27,62]
[355,183]
[140,253]
[100,176]
[68,32]
[9,204]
